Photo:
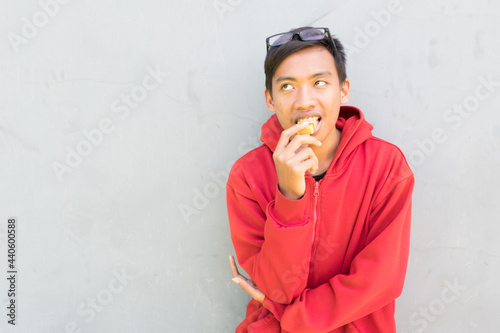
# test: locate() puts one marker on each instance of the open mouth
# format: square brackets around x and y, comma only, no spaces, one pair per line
[313,124]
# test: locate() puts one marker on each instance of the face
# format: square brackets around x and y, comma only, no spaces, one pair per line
[306,84]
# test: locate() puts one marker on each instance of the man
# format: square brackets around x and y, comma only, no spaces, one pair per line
[321,221]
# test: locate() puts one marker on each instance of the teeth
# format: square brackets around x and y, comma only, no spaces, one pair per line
[308,120]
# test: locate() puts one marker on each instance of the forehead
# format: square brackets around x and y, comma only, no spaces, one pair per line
[306,62]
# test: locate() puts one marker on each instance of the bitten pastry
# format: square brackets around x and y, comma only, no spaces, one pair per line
[313,122]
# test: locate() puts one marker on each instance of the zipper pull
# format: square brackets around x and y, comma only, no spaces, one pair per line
[316,189]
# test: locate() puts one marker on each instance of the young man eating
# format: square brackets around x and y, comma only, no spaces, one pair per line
[320,213]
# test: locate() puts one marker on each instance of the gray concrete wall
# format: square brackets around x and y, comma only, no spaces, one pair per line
[119,121]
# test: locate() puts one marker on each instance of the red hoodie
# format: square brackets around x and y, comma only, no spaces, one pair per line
[334,260]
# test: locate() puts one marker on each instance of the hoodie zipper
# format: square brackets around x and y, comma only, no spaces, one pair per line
[315,218]
[316,194]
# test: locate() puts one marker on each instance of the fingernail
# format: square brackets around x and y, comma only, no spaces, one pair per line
[235,280]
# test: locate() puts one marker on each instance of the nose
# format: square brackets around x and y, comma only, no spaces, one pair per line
[305,99]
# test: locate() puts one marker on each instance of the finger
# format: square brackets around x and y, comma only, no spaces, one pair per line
[305,154]
[303,140]
[250,288]
[286,134]
[234,268]
[295,146]
[294,129]
[252,291]
[313,169]
[250,282]
[302,167]
[245,285]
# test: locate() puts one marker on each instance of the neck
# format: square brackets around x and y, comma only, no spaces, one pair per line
[327,151]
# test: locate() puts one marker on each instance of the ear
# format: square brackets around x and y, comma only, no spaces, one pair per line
[345,92]
[269,101]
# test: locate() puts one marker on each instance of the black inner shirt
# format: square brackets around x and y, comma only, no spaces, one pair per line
[319,177]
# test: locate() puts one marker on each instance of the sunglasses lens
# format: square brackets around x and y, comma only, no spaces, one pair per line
[305,35]
[280,39]
[312,34]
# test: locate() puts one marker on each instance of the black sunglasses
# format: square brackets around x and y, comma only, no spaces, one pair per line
[306,35]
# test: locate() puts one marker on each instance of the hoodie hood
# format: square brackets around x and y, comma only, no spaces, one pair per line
[355,130]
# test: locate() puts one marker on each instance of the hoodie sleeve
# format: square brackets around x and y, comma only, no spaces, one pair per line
[375,278]
[272,239]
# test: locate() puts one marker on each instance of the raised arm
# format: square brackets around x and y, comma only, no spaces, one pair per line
[270,235]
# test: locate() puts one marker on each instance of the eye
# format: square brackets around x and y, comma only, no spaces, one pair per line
[320,83]
[286,87]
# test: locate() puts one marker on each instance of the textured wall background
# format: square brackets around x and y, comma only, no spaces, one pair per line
[119,121]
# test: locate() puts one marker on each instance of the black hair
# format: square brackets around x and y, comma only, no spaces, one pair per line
[277,54]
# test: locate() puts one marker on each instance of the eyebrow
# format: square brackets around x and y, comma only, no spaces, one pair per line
[289,78]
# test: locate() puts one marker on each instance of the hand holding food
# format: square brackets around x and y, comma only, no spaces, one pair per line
[313,121]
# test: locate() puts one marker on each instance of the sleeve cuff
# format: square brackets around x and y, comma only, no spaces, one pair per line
[287,212]
[276,309]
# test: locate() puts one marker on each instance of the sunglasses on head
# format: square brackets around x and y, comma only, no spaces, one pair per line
[305,35]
